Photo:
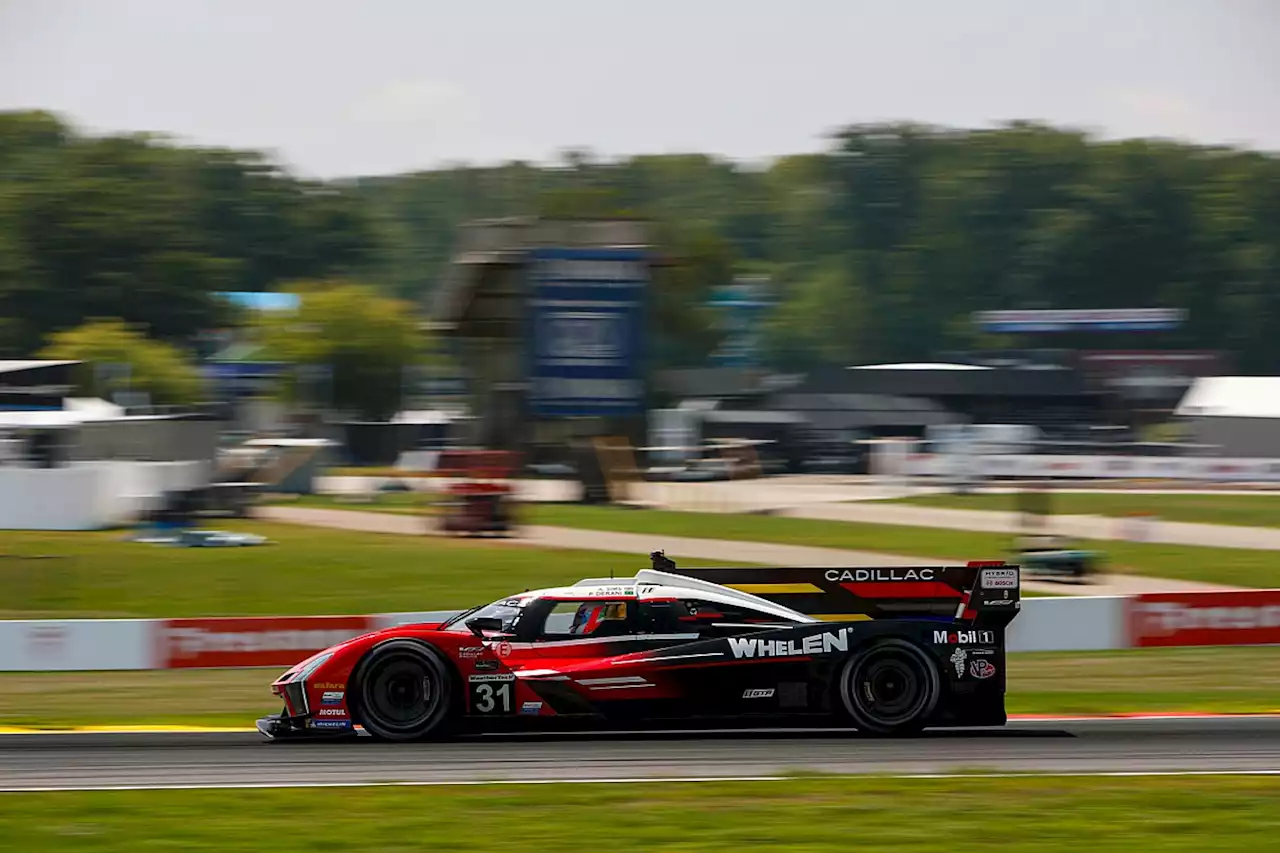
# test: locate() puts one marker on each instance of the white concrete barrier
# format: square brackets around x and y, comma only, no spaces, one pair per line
[89,495]
[63,645]
[1242,617]
[1086,623]
[79,497]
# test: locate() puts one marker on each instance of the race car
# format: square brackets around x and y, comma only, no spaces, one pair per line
[886,651]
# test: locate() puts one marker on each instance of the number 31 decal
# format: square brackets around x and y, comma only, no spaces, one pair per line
[490,697]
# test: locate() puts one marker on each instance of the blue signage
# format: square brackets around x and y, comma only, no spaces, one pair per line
[742,307]
[586,331]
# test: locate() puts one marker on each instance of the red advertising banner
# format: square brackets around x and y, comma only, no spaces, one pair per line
[1243,618]
[251,641]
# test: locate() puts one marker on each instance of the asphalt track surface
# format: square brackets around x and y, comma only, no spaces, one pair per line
[1146,745]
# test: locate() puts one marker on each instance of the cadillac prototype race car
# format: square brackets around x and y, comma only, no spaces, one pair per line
[886,651]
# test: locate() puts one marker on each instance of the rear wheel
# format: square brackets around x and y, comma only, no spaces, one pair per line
[404,691]
[890,688]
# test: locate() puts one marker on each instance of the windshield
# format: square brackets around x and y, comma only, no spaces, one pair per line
[508,610]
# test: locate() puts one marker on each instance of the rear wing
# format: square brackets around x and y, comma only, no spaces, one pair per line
[985,592]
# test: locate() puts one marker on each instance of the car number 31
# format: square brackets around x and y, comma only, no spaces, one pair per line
[491,697]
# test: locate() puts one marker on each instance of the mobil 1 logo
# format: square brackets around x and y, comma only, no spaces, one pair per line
[964,638]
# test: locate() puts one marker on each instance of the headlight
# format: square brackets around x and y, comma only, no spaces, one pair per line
[315,663]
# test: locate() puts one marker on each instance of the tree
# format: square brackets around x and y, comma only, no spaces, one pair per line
[159,369]
[138,228]
[364,343]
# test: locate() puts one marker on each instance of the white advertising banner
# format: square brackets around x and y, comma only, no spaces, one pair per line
[67,645]
[1049,466]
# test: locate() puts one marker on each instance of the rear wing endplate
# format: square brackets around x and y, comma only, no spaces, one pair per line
[985,591]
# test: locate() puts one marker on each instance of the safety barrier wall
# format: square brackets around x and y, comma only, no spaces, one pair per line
[88,495]
[1248,617]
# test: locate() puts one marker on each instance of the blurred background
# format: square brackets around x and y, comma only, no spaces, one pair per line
[919,280]
[887,224]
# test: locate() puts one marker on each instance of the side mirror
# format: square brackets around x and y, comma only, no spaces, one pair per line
[483,625]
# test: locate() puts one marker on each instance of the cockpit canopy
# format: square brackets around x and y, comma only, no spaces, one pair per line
[651,603]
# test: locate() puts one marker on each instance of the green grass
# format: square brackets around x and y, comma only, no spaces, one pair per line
[1231,566]
[1260,510]
[1228,680]
[1170,815]
[307,571]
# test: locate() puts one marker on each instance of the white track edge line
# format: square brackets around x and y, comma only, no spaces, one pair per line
[635,780]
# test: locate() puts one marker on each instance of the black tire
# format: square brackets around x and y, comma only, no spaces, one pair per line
[890,688]
[403,691]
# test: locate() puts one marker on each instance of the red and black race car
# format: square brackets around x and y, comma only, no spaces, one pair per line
[887,651]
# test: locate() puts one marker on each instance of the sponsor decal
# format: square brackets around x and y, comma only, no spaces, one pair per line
[329,685]
[330,724]
[331,712]
[496,676]
[814,644]
[999,578]
[252,641]
[486,665]
[958,658]
[531,708]
[880,575]
[470,652]
[999,602]
[963,638]
[47,640]
[1205,618]
[611,591]
[332,697]
[503,649]
[759,693]
[982,668]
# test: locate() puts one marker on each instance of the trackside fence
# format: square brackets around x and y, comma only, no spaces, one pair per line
[1245,617]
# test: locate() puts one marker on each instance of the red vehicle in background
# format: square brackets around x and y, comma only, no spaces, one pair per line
[480,497]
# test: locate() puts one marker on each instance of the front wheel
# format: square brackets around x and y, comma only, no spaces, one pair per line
[404,691]
[890,688]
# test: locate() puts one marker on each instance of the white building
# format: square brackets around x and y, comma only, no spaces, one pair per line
[1237,415]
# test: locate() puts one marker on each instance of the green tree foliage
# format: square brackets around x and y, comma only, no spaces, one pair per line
[364,345]
[882,246]
[155,367]
[136,228]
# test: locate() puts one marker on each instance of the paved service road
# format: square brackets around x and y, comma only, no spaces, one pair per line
[103,760]
[729,551]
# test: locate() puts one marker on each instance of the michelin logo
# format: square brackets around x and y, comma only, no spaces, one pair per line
[814,644]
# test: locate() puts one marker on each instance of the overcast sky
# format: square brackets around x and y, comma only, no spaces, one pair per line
[378,86]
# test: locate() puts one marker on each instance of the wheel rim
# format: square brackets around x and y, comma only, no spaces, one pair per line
[889,689]
[401,693]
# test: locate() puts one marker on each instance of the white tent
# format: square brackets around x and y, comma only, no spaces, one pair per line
[1238,415]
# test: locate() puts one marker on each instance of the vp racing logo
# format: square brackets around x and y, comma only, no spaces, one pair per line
[814,644]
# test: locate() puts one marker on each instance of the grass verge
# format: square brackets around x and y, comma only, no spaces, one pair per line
[1237,680]
[1230,566]
[307,571]
[1260,510]
[1172,815]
